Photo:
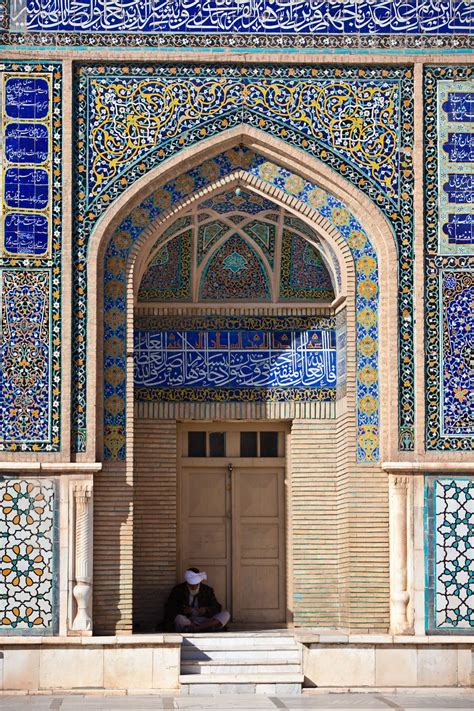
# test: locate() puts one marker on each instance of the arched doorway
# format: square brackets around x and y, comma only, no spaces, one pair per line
[348,424]
[234,309]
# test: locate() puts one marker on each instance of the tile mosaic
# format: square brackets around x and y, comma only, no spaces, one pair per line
[449,506]
[27,569]
[449,262]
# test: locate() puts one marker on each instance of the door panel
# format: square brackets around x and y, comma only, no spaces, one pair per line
[258,559]
[205,527]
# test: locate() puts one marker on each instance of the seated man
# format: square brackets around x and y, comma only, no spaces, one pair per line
[192,606]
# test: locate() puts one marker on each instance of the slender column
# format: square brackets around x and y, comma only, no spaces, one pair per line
[82,590]
[399,595]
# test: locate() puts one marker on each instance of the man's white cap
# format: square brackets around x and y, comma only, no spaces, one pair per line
[194,578]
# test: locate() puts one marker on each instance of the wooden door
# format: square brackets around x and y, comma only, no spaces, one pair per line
[258,544]
[205,540]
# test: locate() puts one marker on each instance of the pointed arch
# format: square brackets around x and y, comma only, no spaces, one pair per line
[307,168]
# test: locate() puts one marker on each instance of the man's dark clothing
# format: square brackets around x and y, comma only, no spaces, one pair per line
[179,599]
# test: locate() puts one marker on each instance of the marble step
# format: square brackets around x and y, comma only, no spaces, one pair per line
[244,688]
[231,655]
[288,678]
[229,642]
[238,667]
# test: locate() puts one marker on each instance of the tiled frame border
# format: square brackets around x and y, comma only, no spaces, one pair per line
[401,220]
[435,264]
[54,263]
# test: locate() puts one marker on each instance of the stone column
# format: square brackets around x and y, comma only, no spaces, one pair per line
[82,589]
[399,595]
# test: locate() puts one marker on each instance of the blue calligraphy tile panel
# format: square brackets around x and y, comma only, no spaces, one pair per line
[449,531]
[236,364]
[181,23]
[456,166]
[27,177]
[30,257]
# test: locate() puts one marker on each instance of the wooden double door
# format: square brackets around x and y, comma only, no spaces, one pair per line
[232,525]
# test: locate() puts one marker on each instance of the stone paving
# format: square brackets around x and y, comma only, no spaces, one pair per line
[442,700]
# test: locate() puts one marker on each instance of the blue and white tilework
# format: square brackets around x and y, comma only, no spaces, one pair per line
[449,258]
[260,23]
[449,532]
[29,541]
[226,359]
[456,166]
[30,256]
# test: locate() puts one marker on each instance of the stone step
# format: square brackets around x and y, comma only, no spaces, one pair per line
[229,642]
[245,688]
[273,656]
[242,667]
[289,678]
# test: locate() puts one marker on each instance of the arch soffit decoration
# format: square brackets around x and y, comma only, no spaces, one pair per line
[297,161]
[149,241]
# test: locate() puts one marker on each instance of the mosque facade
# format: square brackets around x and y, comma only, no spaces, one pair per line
[236,333]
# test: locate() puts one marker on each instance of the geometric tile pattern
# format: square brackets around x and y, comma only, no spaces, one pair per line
[449,277]
[168,276]
[235,272]
[29,542]
[247,94]
[449,565]
[244,359]
[456,166]
[331,25]
[303,272]
[366,295]
[30,255]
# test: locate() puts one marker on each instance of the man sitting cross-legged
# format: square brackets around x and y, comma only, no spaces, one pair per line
[192,606]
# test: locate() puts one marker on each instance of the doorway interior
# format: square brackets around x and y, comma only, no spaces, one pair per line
[232,518]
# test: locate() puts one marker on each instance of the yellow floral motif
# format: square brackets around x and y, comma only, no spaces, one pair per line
[368,440]
[368,405]
[114,375]
[114,318]
[268,171]
[357,239]
[367,375]
[367,288]
[210,170]
[114,439]
[294,184]
[114,347]
[185,184]
[366,264]
[340,216]
[139,217]
[162,199]
[317,198]
[367,346]
[116,265]
[367,317]
[114,404]
[122,239]
[114,289]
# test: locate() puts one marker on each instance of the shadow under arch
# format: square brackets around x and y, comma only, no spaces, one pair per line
[309,168]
